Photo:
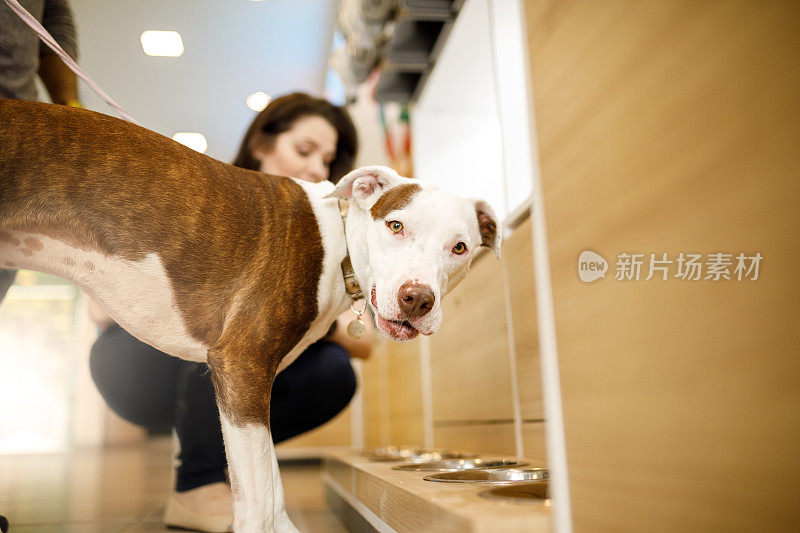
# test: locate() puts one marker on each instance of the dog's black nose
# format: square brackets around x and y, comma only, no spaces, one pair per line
[415,299]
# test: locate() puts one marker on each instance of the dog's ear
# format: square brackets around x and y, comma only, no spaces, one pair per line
[366,184]
[487,225]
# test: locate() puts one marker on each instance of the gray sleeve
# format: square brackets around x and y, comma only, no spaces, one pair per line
[57,19]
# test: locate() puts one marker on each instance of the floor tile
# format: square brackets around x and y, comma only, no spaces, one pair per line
[124,489]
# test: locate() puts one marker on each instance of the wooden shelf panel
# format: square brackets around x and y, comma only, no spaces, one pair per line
[405,502]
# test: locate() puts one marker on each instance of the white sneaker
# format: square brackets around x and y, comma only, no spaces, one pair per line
[208,508]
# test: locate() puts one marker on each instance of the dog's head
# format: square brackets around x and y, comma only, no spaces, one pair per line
[410,244]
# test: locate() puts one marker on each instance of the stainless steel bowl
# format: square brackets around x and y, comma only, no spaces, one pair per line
[497,476]
[391,453]
[454,465]
[415,455]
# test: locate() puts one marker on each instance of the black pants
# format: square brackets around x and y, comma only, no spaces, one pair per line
[151,389]
[6,280]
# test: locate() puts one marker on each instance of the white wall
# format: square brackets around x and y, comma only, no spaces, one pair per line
[232,49]
[471,124]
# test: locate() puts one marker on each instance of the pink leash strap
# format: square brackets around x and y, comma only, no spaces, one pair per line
[48,39]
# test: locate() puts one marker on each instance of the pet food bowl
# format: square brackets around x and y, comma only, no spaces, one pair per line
[391,453]
[454,465]
[496,476]
[414,455]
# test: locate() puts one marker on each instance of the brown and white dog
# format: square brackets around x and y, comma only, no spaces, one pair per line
[209,262]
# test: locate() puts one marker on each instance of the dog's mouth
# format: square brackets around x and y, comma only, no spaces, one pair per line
[400,330]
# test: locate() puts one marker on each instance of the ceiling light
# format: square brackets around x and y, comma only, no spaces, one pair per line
[162,43]
[195,141]
[258,101]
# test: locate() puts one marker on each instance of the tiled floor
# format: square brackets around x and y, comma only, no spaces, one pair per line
[123,489]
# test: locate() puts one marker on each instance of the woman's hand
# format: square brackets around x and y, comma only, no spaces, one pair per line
[360,348]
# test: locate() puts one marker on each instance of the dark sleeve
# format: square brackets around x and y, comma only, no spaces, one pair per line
[57,19]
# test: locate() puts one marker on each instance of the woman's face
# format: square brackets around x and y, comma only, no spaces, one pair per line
[305,151]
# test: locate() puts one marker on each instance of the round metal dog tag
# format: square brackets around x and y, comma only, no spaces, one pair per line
[356,329]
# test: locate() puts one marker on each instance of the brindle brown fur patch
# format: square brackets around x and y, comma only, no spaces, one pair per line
[229,238]
[33,243]
[394,199]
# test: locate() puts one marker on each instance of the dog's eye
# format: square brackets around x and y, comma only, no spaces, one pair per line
[460,248]
[395,226]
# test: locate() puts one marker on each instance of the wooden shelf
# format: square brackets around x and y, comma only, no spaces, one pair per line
[370,496]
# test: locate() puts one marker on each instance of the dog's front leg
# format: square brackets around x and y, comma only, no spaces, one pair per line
[243,391]
[255,480]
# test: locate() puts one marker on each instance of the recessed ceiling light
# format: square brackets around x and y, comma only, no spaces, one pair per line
[162,43]
[195,141]
[258,101]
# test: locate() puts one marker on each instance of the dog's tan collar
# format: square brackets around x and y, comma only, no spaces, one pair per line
[350,282]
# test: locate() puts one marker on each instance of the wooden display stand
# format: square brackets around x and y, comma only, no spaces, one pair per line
[370,496]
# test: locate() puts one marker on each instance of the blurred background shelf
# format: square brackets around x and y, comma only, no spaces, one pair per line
[401,41]
[421,29]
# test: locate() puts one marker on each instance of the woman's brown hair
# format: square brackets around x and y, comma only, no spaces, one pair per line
[279,116]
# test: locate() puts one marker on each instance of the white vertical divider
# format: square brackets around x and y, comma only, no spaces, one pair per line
[512,364]
[548,350]
[427,391]
[384,395]
[357,410]
[508,73]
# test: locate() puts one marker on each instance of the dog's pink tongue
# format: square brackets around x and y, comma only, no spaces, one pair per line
[397,330]
[403,332]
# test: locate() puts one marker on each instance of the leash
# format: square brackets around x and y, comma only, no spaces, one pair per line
[355,328]
[48,39]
